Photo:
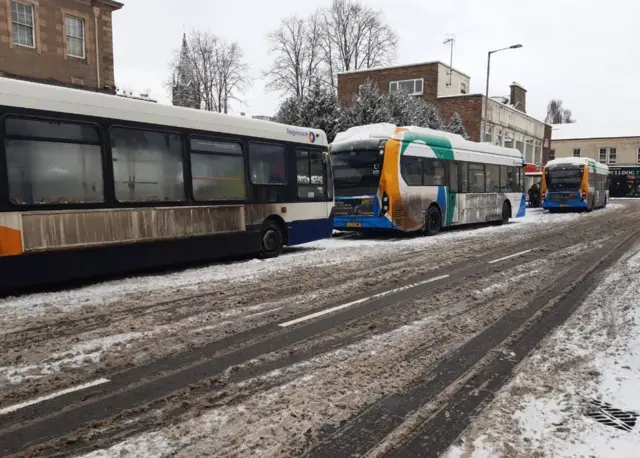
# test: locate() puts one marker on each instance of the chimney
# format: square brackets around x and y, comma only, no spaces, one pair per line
[518,97]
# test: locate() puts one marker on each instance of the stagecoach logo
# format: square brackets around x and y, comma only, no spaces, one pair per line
[301,133]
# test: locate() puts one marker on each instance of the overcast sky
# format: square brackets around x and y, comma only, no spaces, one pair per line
[586,52]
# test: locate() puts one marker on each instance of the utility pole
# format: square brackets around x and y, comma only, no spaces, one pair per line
[450,40]
[486,95]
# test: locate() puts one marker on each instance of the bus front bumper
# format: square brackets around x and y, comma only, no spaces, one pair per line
[360,223]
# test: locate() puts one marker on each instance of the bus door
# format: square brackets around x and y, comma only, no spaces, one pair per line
[452,196]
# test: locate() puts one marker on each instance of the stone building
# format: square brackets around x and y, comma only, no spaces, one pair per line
[507,122]
[62,42]
[614,144]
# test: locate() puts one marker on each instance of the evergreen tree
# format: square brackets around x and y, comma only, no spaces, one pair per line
[319,110]
[456,126]
[401,106]
[368,107]
[289,111]
[427,115]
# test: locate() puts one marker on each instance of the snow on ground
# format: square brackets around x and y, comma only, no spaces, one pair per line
[80,354]
[334,251]
[302,404]
[594,355]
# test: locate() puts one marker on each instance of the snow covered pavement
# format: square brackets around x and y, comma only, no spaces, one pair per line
[595,355]
[202,362]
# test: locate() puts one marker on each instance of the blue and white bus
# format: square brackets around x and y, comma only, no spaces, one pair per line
[417,179]
[94,184]
[577,183]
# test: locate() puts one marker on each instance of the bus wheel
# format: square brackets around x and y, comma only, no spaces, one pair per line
[271,240]
[506,214]
[432,221]
[592,206]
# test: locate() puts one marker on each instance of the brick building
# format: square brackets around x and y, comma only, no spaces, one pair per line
[64,42]
[508,124]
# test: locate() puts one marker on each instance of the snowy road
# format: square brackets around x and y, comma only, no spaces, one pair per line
[346,346]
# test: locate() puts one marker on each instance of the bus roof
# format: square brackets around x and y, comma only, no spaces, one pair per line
[38,96]
[576,161]
[386,131]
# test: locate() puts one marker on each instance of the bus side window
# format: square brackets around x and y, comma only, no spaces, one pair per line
[463,177]
[453,176]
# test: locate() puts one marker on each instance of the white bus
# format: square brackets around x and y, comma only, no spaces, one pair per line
[417,179]
[93,184]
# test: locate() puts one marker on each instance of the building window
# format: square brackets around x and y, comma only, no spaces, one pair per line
[217,170]
[488,134]
[498,136]
[529,152]
[412,87]
[22,23]
[638,158]
[537,154]
[51,162]
[147,166]
[463,87]
[508,139]
[267,163]
[576,152]
[310,170]
[603,155]
[552,154]
[608,155]
[520,143]
[75,36]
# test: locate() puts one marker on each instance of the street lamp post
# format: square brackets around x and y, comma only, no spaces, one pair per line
[486,95]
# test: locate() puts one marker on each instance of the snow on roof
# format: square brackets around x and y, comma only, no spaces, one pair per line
[583,130]
[416,64]
[37,96]
[574,161]
[381,130]
[387,130]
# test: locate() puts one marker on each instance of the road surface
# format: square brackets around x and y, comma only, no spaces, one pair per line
[347,347]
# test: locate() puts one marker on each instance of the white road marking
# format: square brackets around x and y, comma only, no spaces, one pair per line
[510,256]
[22,405]
[359,301]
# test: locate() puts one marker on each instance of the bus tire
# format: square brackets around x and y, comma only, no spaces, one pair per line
[591,207]
[506,214]
[432,221]
[271,240]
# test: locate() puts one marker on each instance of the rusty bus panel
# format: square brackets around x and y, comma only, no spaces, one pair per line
[77,228]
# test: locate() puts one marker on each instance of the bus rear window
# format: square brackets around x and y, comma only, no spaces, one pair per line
[563,178]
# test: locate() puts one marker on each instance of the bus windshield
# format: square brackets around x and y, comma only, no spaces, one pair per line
[564,178]
[356,172]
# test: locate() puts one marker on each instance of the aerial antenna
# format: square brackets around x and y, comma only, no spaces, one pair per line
[450,39]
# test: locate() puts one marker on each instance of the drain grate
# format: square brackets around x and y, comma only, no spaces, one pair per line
[610,416]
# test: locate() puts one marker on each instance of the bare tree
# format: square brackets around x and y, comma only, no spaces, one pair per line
[296,46]
[355,37]
[208,72]
[556,114]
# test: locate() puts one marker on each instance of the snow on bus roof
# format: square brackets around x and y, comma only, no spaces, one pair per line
[38,96]
[574,161]
[387,130]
